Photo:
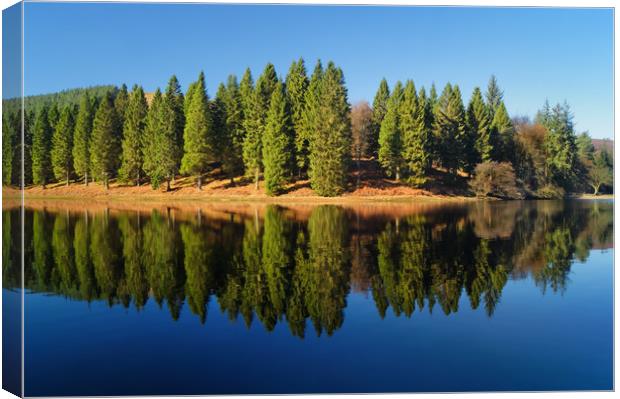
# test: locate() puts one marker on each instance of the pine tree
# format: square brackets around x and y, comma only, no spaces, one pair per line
[81,137]
[379,110]
[390,136]
[62,144]
[105,144]
[415,134]
[494,96]
[219,138]
[120,103]
[503,134]
[296,87]
[331,143]
[10,136]
[133,136]
[560,147]
[276,142]
[449,128]
[173,102]
[233,105]
[479,128]
[160,145]
[309,119]
[41,147]
[53,115]
[198,133]
[246,90]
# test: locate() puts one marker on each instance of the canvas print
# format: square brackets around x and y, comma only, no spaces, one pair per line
[210,199]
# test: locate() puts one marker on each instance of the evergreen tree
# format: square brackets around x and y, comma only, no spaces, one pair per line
[479,128]
[585,148]
[560,147]
[9,139]
[246,90]
[449,128]
[159,159]
[120,104]
[219,138]
[53,115]
[309,119]
[62,143]
[105,144]
[503,134]
[379,110]
[198,133]
[296,87]
[41,147]
[233,106]
[390,136]
[133,136]
[494,96]
[415,134]
[81,137]
[331,143]
[173,102]
[276,142]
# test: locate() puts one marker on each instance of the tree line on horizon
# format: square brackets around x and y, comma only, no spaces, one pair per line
[302,126]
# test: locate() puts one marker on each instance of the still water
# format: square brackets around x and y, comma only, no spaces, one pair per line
[268,299]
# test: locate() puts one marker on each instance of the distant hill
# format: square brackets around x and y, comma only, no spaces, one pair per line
[600,144]
[62,98]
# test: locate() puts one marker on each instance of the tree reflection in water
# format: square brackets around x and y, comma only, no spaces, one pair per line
[280,266]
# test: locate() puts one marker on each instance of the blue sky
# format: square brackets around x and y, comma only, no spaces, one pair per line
[536,53]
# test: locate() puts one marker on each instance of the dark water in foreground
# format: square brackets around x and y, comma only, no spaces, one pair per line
[481,296]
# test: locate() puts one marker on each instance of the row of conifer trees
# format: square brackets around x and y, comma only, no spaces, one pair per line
[296,127]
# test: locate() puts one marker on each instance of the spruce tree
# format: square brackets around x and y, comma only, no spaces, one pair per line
[309,119]
[296,87]
[133,136]
[41,148]
[198,132]
[53,115]
[105,144]
[219,139]
[331,143]
[390,136]
[415,134]
[233,106]
[479,128]
[120,104]
[10,137]
[276,142]
[62,145]
[81,137]
[449,128]
[559,146]
[173,102]
[494,96]
[379,110]
[246,90]
[160,144]
[503,134]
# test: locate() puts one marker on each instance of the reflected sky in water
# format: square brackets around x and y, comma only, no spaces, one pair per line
[299,299]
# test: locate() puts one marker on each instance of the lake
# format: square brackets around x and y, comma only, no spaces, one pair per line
[254,298]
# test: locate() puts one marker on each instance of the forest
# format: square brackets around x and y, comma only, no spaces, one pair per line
[301,127]
[274,269]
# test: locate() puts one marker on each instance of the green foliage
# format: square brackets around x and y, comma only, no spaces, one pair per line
[479,128]
[173,104]
[121,100]
[160,161]
[415,133]
[277,142]
[198,132]
[104,158]
[503,133]
[494,96]
[81,137]
[10,137]
[449,129]
[331,142]
[310,118]
[379,110]
[560,147]
[133,136]
[235,132]
[41,147]
[62,144]
[390,135]
[296,87]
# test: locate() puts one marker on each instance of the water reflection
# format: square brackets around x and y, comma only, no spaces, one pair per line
[284,265]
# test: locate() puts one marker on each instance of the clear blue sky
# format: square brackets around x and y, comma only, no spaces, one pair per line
[559,54]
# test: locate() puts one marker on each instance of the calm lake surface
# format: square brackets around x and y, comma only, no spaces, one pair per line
[267,299]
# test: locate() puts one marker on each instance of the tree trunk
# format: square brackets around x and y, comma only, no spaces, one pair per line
[199,182]
[67,178]
[596,188]
[398,173]
[105,182]
[359,172]
[138,179]
[86,179]
[168,184]
[256,177]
